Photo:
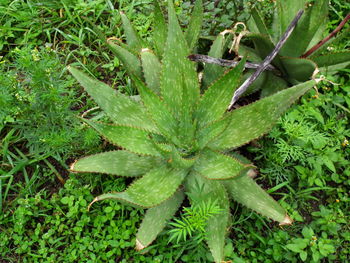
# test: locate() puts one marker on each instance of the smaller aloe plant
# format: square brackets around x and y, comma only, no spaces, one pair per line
[176,140]
[299,57]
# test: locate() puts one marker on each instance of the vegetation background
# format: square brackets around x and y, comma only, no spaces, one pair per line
[43,216]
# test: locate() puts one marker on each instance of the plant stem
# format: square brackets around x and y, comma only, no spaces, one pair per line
[326,39]
[266,61]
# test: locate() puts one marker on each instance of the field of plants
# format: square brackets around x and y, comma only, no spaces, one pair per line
[191,98]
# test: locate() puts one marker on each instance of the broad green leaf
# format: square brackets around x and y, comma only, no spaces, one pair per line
[285,11]
[306,29]
[159,29]
[120,108]
[218,166]
[254,120]
[152,189]
[132,38]
[214,102]
[216,229]
[300,69]
[131,62]
[156,219]
[151,69]
[120,163]
[211,72]
[130,138]
[244,190]
[272,85]
[332,59]
[178,72]
[194,27]
[164,119]
[256,23]
[258,84]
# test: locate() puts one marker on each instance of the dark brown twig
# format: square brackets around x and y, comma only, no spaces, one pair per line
[326,39]
[266,61]
[224,62]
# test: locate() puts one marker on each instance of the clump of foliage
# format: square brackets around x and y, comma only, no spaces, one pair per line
[176,138]
[37,102]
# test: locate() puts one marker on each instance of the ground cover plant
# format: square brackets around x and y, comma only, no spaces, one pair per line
[308,176]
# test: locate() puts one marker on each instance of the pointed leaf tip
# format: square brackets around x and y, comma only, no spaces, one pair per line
[139,245]
[286,221]
[93,201]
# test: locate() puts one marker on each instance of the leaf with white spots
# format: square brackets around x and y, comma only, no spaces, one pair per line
[216,229]
[156,219]
[152,189]
[129,138]
[217,166]
[195,24]
[151,69]
[119,107]
[132,38]
[122,163]
[254,120]
[246,191]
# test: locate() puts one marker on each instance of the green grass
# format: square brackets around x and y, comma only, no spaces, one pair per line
[306,155]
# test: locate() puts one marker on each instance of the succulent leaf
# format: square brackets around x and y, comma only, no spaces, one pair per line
[132,38]
[273,84]
[212,71]
[254,120]
[159,30]
[211,131]
[208,190]
[155,220]
[306,29]
[299,69]
[130,61]
[194,27]
[122,163]
[119,107]
[214,102]
[130,138]
[178,73]
[256,23]
[217,166]
[164,119]
[152,189]
[244,190]
[332,61]
[151,69]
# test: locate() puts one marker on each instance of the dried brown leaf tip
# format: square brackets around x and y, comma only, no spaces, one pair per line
[139,245]
[71,167]
[286,221]
[252,173]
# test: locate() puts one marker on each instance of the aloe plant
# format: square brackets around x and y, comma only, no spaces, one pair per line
[176,139]
[295,62]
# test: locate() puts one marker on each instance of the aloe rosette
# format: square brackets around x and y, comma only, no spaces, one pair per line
[176,138]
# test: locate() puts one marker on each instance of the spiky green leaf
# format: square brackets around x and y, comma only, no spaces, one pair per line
[215,100]
[306,29]
[132,38]
[122,163]
[152,189]
[211,131]
[151,69]
[120,108]
[211,72]
[244,190]
[204,190]
[155,220]
[331,60]
[299,69]
[159,29]
[272,85]
[217,166]
[130,61]
[194,27]
[256,23]
[130,138]
[178,72]
[164,119]
[254,120]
